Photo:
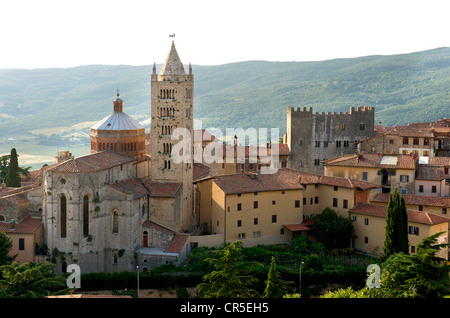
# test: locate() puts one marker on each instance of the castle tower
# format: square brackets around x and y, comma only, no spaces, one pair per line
[171,108]
[118,132]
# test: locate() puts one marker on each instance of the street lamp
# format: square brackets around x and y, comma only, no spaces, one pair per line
[137,267]
[300,278]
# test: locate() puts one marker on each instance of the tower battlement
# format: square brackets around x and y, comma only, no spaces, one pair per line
[308,111]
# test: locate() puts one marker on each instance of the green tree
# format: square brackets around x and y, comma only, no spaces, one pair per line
[30,281]
[5,248]
[13,178]
[396,230]
[423,274]
[275,286]
[331,229]
[227,280]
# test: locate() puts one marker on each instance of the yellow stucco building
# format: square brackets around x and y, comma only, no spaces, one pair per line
[271,208]
[369,222]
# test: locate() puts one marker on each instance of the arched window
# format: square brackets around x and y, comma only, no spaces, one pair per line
[115,221]
[145,239]
[2,218]
[63,216]
[143,211]
[86,215]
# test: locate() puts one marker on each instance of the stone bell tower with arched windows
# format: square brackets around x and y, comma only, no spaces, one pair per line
[172,101]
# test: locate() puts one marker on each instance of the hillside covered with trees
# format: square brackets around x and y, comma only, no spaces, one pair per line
[402,88]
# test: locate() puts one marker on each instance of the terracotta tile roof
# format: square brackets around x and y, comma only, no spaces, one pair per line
[428,172]
[296,227]
[416,199]
[130,186]
[374,160]
[163,189]
[177,243]
[309,178]
[200,171]
[283,179]
[141,188]
[413,216]
[27,225]
[439,161]
[90,163]
[246,183]
[158,227]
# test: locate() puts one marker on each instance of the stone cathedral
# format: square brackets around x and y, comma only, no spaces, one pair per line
[126,204]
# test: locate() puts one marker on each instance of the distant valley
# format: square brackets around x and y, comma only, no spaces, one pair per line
[42,110]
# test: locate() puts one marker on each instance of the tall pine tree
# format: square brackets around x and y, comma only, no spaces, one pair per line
[396,237]
[13,178]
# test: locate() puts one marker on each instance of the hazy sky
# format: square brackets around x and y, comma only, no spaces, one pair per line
[63,33]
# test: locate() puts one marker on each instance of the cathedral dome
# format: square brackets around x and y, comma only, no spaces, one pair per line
[117,121]
[118,132]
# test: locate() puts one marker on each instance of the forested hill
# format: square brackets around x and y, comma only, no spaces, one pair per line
[402,88]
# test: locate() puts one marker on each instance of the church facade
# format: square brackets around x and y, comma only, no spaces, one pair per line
[122,207]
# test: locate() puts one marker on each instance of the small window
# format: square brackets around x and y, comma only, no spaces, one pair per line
[366,221]
[338,144]
[405,140]
[420,188]
[255,204]
[325,144]
[241,235]
[426,142]
[415,141]
[239,223]
[345,204]
[304,201]
[433,189]
[361,126]
[413,230]
[255,221]
[297,203]
[342,126]
[364,175]
[316,200]
[273,202]
[404,178]
[335,202]
[336,188]
[239,206]
[391,141]
[317,162]
[274,218]
[420,207]
[256,234]
[21,244]
[366,240]
[444,211]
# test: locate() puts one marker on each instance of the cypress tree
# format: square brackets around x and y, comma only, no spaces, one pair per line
[388,248]
[13,178]
[403,235]
[396,237]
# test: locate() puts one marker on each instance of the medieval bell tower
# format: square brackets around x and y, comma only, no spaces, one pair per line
[172,99]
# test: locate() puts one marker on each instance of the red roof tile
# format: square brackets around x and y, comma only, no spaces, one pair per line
[130,186]
[90,163]
[200,171]
[374,160]
[177,243]
[163,189]
[158,227]
[416,199]
[27,225]
[413,216]
[296,227]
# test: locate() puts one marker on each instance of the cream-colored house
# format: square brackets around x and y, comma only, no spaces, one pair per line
[25,235]
[270,208]
[369,222]
[390,171]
